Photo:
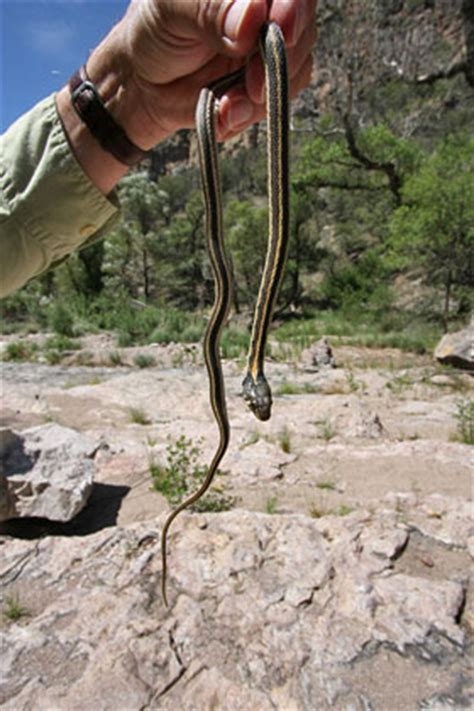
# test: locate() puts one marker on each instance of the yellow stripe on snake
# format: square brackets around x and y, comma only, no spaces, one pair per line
[256,390]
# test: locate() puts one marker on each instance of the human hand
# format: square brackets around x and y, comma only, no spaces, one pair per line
[165,51]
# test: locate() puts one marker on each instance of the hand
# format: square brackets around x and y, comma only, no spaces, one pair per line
[165,51]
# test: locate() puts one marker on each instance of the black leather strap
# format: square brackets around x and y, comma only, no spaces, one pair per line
[90,109]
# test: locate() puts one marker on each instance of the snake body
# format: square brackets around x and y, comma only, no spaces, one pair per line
[256,390]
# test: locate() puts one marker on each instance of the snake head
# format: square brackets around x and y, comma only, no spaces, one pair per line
[258,396]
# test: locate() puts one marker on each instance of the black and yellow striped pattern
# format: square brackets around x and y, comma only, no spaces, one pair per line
[256,390]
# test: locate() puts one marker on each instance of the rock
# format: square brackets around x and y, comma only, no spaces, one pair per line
[457,348]
[359,421]
[318,356]
[267,612]
[46,471]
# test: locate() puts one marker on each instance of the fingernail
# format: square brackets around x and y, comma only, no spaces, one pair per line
[240,112]
[234,17]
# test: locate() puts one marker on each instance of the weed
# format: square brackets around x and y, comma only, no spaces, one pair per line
[316,512]
[399,384]
[144,360]
[343,510]
[61,320]
[183,474]
[62,343]
[352,382]
[84,358]
[284,438]
[326,485]
[465,418]
[288,388]
[13,609]
[138,416]
[253,438]
[327,431]
[20,351]
[115,358]
[271,505]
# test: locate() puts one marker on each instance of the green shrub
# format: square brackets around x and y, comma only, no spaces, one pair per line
[20,351]
[144,360]
[465,419]
[182,476]
[61,320]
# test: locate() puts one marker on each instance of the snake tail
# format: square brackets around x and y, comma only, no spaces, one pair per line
[205,122]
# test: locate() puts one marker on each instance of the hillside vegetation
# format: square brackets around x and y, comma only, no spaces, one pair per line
[382,186]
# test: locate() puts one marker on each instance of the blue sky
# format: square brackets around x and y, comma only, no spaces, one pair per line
[42,42]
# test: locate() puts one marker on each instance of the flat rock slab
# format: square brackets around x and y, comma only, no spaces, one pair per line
[284,613]
[46,472]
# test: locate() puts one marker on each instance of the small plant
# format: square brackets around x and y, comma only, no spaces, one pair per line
[61,320]
[284,438]
[326,485]
[465,418]
[19,351]
[399,383]
[138,416]
[271,505]
[352,382]
[183,474]
[316,512]
[13,609]
[144,360]
[289,388]
[327,431]
[62,343]
[253,438]
[343,510]
[115,358]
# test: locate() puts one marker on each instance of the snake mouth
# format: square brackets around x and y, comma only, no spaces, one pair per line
[258,396]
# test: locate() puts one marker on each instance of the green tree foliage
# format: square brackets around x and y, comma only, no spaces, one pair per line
[434,227]
[132,251]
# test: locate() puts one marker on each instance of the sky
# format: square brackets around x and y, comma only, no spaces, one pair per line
[42,42]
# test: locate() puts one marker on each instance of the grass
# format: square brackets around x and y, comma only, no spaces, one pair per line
[284,439]
[399,384]
[327,431]
[144,360]
[342,510]
[271,505]
[465,421]
[13,610]
[18,351]
[286,387]
[138,416]
[326,485]
[360,329]
[183,474]
[115,358]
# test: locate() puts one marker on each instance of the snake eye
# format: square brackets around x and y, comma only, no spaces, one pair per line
[258,396]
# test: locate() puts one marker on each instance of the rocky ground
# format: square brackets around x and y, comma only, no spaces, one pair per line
[340,579]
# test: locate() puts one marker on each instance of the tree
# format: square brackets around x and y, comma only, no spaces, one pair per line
[130,250]
[434,227]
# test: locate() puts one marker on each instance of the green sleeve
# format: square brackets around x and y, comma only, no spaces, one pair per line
[48,206]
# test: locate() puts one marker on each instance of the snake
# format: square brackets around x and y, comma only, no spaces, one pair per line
[256,390]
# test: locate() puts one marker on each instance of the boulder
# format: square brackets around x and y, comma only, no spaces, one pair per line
[46,472]
[457,348]
[318,356]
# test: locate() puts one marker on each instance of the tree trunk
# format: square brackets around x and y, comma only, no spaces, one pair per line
[447,300]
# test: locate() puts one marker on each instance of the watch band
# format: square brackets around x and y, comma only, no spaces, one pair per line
[91,110]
